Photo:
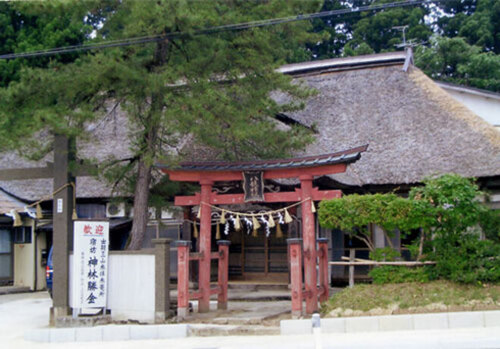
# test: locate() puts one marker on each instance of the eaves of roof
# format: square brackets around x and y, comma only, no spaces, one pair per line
[345,156]
[389,58]
[469,90]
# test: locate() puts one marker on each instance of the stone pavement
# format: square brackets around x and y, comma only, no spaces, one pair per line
[22,313]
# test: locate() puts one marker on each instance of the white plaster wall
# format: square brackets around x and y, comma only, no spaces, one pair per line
[131,286]
[486,108]
[41,244]
[24,263]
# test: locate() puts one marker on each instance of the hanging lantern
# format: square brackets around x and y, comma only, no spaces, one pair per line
[270,221]
[288,218]
[217,232]
[74,216]
[279,232]
[195,230]
[237,223]
[223,217]
[39,214]
[17,219]
[313,208]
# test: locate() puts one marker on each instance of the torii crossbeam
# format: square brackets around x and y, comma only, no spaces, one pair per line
[207,173]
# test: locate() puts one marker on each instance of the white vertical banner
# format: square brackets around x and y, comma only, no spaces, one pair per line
[90,264]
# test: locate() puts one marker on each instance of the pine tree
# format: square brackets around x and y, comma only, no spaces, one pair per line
[38,25]
[215,88]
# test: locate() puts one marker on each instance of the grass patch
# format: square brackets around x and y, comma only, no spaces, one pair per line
[371,299]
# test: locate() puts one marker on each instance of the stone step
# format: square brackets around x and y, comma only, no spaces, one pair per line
[257,286]
[206,330]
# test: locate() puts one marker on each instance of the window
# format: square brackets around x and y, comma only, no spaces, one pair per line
[22,235]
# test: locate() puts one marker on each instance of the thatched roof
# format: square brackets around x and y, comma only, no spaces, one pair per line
[413,127]
[107,139]
[8,203]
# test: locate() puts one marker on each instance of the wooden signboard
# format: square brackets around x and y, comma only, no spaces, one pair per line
[253,186]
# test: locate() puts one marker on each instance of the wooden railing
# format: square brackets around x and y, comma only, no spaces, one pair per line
[351,261]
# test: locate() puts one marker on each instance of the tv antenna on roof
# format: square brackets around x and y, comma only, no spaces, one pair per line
[406,44]
[401,28]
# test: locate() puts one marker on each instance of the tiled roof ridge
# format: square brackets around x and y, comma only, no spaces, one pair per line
[307,161]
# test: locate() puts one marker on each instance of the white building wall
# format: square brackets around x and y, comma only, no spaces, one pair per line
[485,105]
[131,286]
[24,261]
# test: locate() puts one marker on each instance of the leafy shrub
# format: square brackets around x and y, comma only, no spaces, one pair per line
[466,259]
[384,254]
[354,213]
[389,274]
[445,210]
[447,204]
[490,224]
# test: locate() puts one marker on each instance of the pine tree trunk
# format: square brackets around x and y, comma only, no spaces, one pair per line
[141,192]
[141,196]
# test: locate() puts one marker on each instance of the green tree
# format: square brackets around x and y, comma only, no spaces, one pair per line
[215,88]
[354,213]
[368,32]
[477,21]
[445,207]
[454,60]
[337,30]
[442,59]
[460,39]
[377,30]
[466,47]
[38,25]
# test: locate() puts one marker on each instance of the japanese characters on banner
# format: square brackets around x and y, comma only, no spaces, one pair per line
[90,264]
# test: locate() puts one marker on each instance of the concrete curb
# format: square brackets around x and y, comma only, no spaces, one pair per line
[14,289]
[410,322]
[107,333]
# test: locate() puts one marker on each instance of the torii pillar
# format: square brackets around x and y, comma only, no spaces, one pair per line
[205,246]
[309,238]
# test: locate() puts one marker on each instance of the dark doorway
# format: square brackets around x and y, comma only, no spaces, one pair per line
[6,256]
[260,258]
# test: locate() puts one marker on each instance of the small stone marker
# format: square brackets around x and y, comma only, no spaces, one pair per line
[316,327]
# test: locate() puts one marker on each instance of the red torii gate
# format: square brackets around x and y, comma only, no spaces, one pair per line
[207,173]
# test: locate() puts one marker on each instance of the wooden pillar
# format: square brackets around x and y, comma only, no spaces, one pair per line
[62,225]
[352,254]
[182,278]
[295,255]
[205,246]
[309,237]
[323,269]
[162,279]
[223,269]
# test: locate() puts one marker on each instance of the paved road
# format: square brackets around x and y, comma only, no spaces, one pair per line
[22,312]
